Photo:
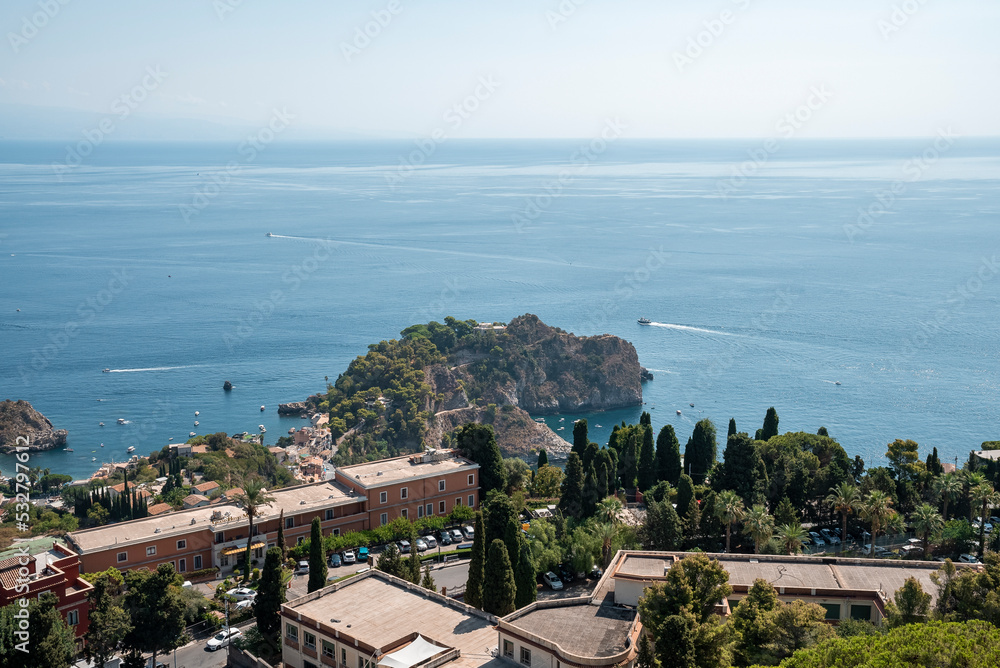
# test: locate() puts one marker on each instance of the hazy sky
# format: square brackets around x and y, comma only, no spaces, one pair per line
[551,69]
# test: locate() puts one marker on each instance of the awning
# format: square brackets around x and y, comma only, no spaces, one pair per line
[229,551]
[416,652]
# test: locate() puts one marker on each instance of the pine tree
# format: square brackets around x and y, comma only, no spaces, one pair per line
[645,658]
[543,458]
[668,456]
[499,588]
[477,566]
[428,582]
[317,560]
[699,455]
[770,429]
[524,576]
[391,562]
[732,428]
[590,496]
[785,513]
[571,500]
[580,438]
[647,463]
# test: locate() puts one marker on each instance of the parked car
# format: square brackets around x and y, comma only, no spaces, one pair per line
[362,555]
[445,537]
[335,560]
[829,537]
[469,532]
[595,573]
[817,539]
[879,550]
[246,605]
[348,557]
[302,567]
[553,581]
[187,584]
[431,541]
[457,536]
[404,546]
[968,559]
[421,545]
[223,638]
[243,593]
[566,574]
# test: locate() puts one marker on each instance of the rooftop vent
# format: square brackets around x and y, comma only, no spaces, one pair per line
[194,521]
[379,473]
[157,530]
[302,503]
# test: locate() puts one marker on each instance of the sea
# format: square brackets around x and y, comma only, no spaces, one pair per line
[850,284]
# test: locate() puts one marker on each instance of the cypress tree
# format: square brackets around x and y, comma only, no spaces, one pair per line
[647,463]
[602,481]
[770,429]
[524,576]
[590,495]
[478,442]
[668,456]
[543,458]
[612,471]
[580,438]
[413,563]
[613,439]
[685,492]
[732,428]
[934,463]
[692,518]
[628,463]
[645,658]
[501,521]
[477,566]
[742,470]
[646,419]
[270,596]
[590,454]
[571,500]
[499,587]
[281,535]
[699,456]
[317,561]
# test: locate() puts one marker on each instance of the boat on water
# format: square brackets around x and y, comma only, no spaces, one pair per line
[106,370]
[196,423]
[598,426]
[102,445]
[131,448]
[262,408]
[171,438]
[93,459]
[560,428]
[291,430]
[644,321]
[691,405]
[121,420]
[192,434]
[261,427]
[678,411]
[268,234]
[68,450]
[197,413]
[100,424]
[837,383]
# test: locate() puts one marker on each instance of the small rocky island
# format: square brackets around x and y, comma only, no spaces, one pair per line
[20,419]
[414,391]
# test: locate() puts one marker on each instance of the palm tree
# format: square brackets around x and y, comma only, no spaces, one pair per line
[876,508]
[843,499]
[729,509]
[608,509]
[985,496]
[758,524]
[791,537]
[947,488]
[927,521]
[971,480]
[605,532]
[252,498]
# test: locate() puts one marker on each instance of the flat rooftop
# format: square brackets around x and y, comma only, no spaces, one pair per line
[290,499]
[378,611]
[419,465]
[582,629]
[790,571]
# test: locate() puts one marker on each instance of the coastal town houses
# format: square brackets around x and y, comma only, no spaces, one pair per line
[33,567]
[215,535]
[427,483]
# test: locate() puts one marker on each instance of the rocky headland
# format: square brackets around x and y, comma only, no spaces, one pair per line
[18,419]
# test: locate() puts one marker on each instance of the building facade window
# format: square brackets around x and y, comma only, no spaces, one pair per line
[122,556]
[73,617]
[420,511]
[292,632]
[182,566]
[289,522]
[151,550]
[300,540]
[458,501]
[343,656]
[364,662]
[404,493]
[219,538]
[429,510]
[404,514]
[329,650]
[309,640]
[336,531]
[197,562]
[182,544]
[525,656]
[472,501]
[384,519]
[440,485]
[224,560]
[508,649]
[472,478]
[383,497]
[441,508]
[329,513]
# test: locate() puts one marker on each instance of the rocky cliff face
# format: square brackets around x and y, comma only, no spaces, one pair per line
[19,419]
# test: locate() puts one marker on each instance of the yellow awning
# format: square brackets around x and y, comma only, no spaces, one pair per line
[229,551]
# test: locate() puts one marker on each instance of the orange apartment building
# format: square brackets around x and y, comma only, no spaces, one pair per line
[428,483]
[31,568]
[215,536]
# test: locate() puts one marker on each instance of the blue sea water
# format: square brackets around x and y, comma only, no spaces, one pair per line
[764,285]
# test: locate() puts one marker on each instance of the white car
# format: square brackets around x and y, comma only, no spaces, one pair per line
[421,545]
[552,580]
[968,559]
[223,638]
[349,557]
[469,531]
[431,541]
[242,594]
[457,537]
[246,605]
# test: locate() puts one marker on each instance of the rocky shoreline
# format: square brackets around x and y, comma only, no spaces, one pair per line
[19,420]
